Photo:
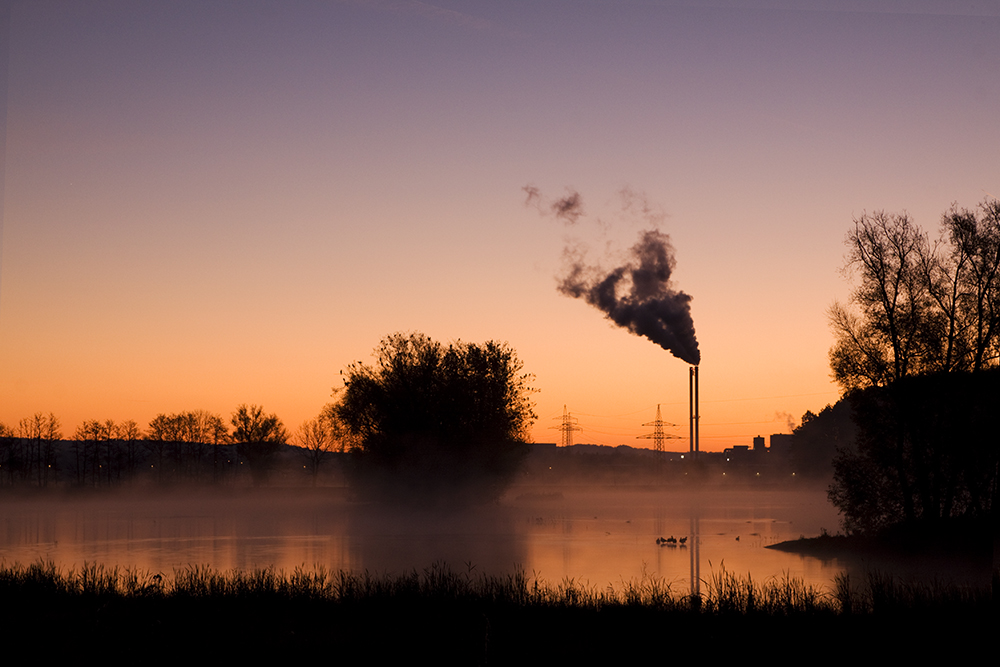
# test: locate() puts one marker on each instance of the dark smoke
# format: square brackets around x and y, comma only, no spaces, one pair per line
[533,196]
[569,209]
[639,296]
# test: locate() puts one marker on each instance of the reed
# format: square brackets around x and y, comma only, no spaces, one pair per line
[463,616]
[728,593]
[724,592]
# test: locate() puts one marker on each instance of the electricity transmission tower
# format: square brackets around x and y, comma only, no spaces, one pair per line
[567,427]
[658,436]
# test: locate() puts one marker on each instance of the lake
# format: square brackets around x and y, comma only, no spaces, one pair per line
[594,537]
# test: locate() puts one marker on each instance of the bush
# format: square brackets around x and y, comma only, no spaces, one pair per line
[437,424]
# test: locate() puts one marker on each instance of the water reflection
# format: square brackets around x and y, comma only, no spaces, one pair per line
[595,538]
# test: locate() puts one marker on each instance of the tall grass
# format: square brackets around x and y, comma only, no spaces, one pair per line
[724,592]
[728,593]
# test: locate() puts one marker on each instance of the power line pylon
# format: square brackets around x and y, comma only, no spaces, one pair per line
[567,427]
[657,436]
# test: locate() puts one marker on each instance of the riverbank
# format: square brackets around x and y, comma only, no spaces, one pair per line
[968,545]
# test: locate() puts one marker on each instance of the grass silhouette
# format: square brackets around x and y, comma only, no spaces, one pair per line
[121,614]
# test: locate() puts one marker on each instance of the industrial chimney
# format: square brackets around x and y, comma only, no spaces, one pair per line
[693,390]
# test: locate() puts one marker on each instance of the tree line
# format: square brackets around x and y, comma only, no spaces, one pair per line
[428,422]
[917,354]
[194,445]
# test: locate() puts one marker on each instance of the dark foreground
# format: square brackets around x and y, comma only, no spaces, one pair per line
[461,618]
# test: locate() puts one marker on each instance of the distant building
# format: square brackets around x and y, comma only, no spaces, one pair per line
[781,444]
[758,443]
[737,453]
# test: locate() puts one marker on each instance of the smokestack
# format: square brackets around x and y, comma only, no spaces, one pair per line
[693,411]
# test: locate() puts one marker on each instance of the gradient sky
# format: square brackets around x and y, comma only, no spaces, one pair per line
[214,203]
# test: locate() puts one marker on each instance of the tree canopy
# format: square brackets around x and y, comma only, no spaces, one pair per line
[437,423]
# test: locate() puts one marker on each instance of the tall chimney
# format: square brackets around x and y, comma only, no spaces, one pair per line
[693,411]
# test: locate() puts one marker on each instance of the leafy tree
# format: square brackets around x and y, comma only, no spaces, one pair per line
[436,423]
[926,450]
[259,438]
[820,436]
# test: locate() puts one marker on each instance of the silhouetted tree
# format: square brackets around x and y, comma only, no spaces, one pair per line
[924,330]
[182,440]
[436,423]
[86,449]
[259,438]
[129,436]
[819,437]
[885,342]
[919,308]
[35,459]
[8,453]
[318,437]
[963,278]
[926,450]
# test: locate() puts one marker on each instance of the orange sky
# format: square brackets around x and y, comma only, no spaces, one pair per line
[208,204]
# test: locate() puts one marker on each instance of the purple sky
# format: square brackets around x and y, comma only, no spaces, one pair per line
[211,203]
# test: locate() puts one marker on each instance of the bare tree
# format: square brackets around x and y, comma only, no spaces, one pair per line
[887,340]
[181,439]
[319,437]
[38,435]
[973,266]
[86,442]
[918,307]
[130,436]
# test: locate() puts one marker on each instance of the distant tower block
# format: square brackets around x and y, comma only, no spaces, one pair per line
[567,427]
[657,436]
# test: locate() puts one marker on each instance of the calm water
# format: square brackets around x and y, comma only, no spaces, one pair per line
[594,538]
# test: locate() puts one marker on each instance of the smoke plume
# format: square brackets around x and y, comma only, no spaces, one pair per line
[569,209]
[639,296]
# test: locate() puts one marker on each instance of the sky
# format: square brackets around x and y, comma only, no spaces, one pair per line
[213,203]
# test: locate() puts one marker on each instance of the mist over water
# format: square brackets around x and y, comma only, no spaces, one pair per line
[601,537]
